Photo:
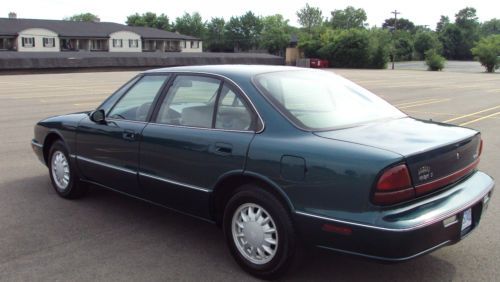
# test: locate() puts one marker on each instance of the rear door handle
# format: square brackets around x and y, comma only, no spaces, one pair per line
[129,135]
[223,148]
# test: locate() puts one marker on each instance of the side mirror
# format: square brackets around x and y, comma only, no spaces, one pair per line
[98,116]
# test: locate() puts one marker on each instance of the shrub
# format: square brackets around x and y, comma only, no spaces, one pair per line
[487,51]
[434,61]
[403,46]
[380,41]
[348,49]
[310,48]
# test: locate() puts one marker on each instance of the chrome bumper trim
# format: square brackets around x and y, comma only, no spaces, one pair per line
[423,225]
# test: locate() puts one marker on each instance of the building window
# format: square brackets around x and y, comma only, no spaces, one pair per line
[48,42]
[195,44]
[3,44]
[133,43]
[28,42]
[97,45]
[117,43]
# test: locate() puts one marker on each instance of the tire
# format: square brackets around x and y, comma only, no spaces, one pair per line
[273,260]
[63,174]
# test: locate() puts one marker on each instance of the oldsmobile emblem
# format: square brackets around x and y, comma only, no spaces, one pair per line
[425,173]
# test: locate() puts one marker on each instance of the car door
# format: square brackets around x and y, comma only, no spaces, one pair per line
[108,152]
[202,129]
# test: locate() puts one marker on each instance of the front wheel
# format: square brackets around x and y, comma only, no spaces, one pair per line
[259,232]
[63,174]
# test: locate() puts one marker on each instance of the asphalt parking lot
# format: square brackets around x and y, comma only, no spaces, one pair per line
[109,237]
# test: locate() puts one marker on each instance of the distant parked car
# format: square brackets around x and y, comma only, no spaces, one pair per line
[276,155]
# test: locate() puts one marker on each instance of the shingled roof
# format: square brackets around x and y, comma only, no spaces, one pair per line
[74,29]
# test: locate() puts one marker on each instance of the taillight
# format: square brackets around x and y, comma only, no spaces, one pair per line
[394,186]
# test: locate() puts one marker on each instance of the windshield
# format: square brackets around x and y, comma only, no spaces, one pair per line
[320,100]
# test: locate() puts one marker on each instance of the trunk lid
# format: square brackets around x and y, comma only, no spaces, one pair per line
[436,154]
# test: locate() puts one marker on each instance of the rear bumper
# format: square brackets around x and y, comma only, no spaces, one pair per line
[38,150]
[403,233]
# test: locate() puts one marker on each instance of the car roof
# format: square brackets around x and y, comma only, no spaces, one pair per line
[230,71]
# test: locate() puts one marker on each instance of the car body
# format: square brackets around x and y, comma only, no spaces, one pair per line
[389,188]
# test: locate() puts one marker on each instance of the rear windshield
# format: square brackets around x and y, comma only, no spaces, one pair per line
[321,100]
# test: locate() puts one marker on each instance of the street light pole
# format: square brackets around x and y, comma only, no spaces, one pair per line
[396,13]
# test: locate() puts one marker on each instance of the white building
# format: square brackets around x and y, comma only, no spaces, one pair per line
[32,35]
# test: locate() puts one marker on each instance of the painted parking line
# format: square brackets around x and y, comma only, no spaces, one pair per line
[88,104]
[430,113]
[472,114]
[64,94]
[481,118]
[415,102]
[425,103]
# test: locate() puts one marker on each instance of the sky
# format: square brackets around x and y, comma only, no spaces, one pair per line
[421,12]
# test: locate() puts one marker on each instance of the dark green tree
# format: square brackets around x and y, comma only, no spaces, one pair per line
[149,19]
[244,31]
[191,24]
[275,34]
[399,24]
[84,17]
[490,27]
[425,41]
[348,18]
[467,21]
[215,36]
[467,18]
[443,21]
[310,17]
[451,37]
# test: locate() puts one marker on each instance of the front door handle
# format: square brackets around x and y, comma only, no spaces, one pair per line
[223,149]
[129,135]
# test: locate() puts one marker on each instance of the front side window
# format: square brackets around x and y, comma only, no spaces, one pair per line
[190,101]
[319,100]
[232,112]
[28,42]
[137,102]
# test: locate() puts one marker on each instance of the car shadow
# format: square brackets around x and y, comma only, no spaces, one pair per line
[322,265]
[193,246]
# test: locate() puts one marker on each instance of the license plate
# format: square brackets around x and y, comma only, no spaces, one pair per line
[467,219]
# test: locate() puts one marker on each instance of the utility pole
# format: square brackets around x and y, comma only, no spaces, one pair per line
[396,13]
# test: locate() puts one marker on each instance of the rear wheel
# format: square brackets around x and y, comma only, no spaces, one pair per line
[259,232]
[63,175]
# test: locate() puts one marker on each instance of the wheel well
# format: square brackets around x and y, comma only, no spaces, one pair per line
[225,189]
[49,140]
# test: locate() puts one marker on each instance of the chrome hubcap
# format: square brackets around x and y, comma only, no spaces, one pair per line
[254,233]
[60,170]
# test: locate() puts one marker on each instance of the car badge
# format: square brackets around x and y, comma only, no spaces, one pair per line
[425,173]
[458,156]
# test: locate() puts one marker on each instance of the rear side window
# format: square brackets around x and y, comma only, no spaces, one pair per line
[190,101]
[232,112]
[137,102]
